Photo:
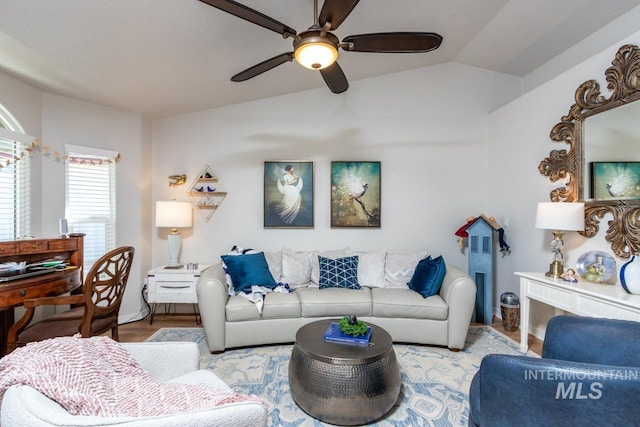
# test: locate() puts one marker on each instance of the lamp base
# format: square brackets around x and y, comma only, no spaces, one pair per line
[175,241]
[555,270]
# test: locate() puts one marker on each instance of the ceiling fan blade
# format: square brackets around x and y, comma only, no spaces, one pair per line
[334,78]
[262,67]
[336,11]
[398,42]
[253,16]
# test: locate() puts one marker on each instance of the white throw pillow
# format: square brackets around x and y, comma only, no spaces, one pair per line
[315,264]
[274,261]
[370,268]
[296,268]
[399,268]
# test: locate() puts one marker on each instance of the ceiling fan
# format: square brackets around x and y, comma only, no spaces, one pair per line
[317,47]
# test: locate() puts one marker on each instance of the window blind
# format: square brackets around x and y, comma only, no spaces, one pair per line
[14,188]
[90,202]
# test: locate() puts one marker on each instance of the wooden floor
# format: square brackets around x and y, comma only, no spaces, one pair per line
[141,330]
[535,344]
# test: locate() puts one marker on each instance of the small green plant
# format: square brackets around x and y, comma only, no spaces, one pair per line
[350,325]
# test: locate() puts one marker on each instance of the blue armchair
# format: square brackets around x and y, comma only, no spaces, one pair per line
[589,375]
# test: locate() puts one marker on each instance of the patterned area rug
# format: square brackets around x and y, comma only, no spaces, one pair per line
[435,381]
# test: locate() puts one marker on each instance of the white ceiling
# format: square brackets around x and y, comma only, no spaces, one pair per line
[167,57]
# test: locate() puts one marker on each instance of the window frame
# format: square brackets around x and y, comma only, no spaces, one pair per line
[94,247]
[19,220]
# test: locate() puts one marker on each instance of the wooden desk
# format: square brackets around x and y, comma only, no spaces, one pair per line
[14,292]
[582,298]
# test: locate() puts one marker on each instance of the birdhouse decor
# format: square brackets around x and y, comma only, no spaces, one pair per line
[479,234]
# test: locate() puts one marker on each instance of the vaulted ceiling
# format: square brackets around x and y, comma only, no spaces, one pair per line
[167,57]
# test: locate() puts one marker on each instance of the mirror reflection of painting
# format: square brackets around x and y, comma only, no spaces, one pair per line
[288,194]
[615,180]
[355,194]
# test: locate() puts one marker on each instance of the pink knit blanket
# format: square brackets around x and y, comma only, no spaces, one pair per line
[96,376]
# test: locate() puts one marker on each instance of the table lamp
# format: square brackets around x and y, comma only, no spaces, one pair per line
[559,217]
[173,215]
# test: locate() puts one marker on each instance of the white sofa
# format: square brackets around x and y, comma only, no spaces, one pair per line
[24,406]
[384,300]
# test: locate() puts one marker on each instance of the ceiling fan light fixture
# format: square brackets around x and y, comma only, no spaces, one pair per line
[316,55]
[317,47]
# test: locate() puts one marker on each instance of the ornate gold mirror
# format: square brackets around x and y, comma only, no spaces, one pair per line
[601,129]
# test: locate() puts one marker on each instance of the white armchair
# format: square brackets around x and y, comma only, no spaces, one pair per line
[24,406]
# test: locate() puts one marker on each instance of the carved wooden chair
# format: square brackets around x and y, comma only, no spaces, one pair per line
[93,312]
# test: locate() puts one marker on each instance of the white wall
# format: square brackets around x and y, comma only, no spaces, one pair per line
[428,127]
[519,141]
[68,121]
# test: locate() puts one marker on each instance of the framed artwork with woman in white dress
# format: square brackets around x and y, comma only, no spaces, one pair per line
[288,194]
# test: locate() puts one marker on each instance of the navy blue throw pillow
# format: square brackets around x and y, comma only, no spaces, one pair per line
[248,270]
[428,277]
[338,273]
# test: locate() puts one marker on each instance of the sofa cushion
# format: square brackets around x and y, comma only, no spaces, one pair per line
[276,306]
[339,273]
[296,268]
[370,268]
[428,277]
[399,268]
[405,303]
[316,302]
[248,270]
[315,264]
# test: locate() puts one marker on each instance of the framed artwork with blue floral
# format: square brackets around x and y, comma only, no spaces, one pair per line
[355,194]
[288,194]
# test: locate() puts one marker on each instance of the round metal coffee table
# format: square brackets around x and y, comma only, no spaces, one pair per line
[343,384]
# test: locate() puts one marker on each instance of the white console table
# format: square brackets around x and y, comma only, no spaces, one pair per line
[581,298]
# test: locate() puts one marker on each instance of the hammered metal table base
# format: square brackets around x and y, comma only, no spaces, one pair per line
[343,384]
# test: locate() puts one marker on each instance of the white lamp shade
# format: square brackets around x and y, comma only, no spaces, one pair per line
[560,216]
[173,214]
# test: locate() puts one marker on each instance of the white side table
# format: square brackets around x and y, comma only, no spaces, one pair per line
[173,286]
[583,298]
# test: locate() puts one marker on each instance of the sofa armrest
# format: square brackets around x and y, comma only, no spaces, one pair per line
[591,340]
[212,298]
[165,360]
[524,391]
[458,290]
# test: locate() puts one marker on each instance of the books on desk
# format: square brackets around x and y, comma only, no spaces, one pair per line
[7,276]
[22,271]
[334,334]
